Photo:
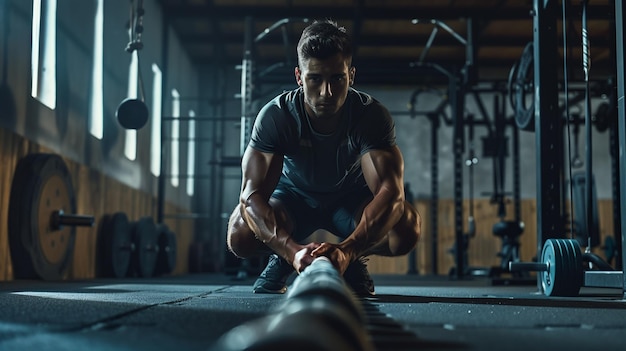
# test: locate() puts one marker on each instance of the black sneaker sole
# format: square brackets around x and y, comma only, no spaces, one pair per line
[262,290]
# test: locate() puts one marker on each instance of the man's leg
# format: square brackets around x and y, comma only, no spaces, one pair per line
[243,243]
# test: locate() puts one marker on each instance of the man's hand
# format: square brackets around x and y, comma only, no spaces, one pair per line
[337,256]
[303,258]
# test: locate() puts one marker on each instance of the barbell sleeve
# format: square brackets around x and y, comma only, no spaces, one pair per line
[528,266]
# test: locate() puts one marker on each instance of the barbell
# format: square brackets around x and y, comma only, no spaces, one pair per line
[42,217]
[560,266]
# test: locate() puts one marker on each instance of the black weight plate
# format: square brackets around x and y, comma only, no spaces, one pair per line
[144,234]
[166,258]
[115,245]
[569,283]
[19,240]
[563,280]
[41,185]
[577,269]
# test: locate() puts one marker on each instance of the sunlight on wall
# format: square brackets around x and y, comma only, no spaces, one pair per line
[155,131]
[191,154]
[130,145]
[97,106]
[43,67]
[175,135]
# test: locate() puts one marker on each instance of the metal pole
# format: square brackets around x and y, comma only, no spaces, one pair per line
[548,125]
[457,103]
[247,85]
[434,188]
[621,106]
[162,176]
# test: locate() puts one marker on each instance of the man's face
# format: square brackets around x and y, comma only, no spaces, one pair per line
[325,84]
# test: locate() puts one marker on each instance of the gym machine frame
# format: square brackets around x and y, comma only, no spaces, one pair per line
[550,163]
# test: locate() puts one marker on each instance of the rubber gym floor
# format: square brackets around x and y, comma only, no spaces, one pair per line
[409,312]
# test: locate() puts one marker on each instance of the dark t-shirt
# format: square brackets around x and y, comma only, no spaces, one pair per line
[322,163]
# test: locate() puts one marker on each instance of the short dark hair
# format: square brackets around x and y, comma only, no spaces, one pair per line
[324,39]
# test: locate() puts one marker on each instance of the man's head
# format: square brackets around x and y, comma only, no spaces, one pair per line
[324,68]
[322,40]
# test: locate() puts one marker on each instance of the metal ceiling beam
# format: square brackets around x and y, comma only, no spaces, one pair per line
[377,40]
[345,13]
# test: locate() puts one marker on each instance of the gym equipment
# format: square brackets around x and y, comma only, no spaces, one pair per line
[166,256]
[521,87]
[587,233]
[509,232]
[144,257]
[610,249]
[42,221]
[115,245]
[320,313]
[133,113]
[561,267]
[8,110]
[561,262]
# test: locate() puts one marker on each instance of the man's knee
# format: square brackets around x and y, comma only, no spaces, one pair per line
[408,230]
[240,238]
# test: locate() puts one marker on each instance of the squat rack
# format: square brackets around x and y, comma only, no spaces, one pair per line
[549,142]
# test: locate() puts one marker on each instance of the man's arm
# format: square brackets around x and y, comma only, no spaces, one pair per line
[383,172]
[261,172]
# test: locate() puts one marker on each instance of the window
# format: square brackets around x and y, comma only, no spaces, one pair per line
[175,135]
[43,52]
[191,153]
[97,108]
[155,131]
[130,146]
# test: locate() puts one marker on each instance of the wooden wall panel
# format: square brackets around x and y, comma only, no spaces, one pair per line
[97,195]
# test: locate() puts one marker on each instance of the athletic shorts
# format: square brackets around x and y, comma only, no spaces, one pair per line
[332,212]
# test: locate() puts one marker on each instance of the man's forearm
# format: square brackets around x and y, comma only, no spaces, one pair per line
[261,218]
[378,218]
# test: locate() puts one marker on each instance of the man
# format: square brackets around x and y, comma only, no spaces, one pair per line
[322,156]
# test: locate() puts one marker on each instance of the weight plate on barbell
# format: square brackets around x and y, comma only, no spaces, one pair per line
[144,234]
[550,255]
[578,273]
[564,274]
[41,186]
[115,245]
[568,266]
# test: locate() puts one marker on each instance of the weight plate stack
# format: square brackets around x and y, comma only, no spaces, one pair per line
[166,258]
[115,245]
[144,235]
[564,273]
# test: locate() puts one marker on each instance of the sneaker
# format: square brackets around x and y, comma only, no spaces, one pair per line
[274,277]
[358,278]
